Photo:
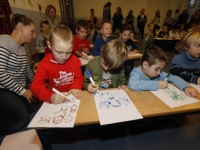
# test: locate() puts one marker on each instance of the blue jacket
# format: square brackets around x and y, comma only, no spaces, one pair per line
[99,43]
[139,82]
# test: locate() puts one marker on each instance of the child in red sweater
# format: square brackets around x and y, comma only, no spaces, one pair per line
[61,68]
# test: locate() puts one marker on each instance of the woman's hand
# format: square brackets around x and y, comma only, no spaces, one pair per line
[29,96]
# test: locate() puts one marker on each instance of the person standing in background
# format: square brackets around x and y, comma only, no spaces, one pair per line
[195,18]
[93,17]
[141,21]
[183,17]
[50,16]
[107,12]
[130,20]
[168,19]
[117,20]
[156,19]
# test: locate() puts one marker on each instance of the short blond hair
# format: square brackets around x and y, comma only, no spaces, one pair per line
[114,54]
[61,33]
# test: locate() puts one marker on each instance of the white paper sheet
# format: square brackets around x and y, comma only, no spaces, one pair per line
[26,140]
[196,87]
[60,115]
[85,61]
[115,106]
[174,97]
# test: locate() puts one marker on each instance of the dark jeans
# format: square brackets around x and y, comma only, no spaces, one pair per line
[14,111]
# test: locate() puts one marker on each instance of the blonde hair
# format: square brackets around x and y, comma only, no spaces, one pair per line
[192,37]
[48,9]
[61,33]
[114,54]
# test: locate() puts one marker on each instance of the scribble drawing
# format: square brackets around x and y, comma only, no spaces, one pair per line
[69,100]
[176,96]
[110,99]
[44,120]
[64,114]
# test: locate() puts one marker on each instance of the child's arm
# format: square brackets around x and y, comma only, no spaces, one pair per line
[136,83]
[96,50]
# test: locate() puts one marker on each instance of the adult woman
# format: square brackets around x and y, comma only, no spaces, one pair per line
[195,18]
[93,17]
[130,20]
[141,21]
[168,19]
[15,100]
[51,16]
[156,19]
[117,19]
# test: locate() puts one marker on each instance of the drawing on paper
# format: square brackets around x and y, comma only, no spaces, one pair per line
[109,99]
[176,96]
[64,114]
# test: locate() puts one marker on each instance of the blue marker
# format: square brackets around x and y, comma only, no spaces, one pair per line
[90,77]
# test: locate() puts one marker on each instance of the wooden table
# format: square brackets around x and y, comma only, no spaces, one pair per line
[146,102]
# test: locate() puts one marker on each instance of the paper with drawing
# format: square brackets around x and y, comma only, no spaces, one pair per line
[115,106]
[60,115]
[173,97]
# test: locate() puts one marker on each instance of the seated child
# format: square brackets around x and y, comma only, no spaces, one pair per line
[81,43]
[125,32]
[148,76]
[149,37]
[42,37]
[187,64]
[106,30]
[107,70]
[97,32]
[163,34]
[173,33]
[57,68]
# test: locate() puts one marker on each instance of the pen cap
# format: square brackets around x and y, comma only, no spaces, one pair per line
[88,73]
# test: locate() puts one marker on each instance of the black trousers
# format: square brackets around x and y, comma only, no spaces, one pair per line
[14,111]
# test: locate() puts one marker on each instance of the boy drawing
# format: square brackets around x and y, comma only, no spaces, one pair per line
[57,68]
[148,76]
[107,70]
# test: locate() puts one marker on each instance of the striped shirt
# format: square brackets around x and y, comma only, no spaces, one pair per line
[14,67]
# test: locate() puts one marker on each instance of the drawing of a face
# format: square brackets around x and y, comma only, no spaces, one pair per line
[58,119]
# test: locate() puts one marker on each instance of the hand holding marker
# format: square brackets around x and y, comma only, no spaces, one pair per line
[167,76]
[90,77]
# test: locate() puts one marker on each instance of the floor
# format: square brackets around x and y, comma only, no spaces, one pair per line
[165,133]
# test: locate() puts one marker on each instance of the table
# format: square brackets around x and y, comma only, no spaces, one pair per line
[146,102]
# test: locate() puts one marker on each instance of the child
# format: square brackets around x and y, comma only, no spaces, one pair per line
[125,32]
[174,32]
[148,76]
[101,41]
[163,34]
[149,37]
[107,69]
[90,33]
[81,43]
[57,68]
[42,37]
[187,64]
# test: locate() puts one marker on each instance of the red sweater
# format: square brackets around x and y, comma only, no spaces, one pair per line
[80,44]
[63,77]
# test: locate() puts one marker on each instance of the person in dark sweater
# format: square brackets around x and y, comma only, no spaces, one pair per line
[187,64]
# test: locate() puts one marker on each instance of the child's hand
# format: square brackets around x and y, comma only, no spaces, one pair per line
[84,56]
[77,93]
[85,50]
[92,88]
[162,84]
[57,98]
[122,87]
[135,51]
[190,91]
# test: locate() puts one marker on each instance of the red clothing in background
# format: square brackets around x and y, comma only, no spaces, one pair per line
[80,44]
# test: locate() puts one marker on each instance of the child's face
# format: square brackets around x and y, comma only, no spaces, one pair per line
[194,50]
[106,30]
[125,35]
[103,64]
[154,70]
[61,51]
[164,29]
[44,27]
[82,33]
[151,27]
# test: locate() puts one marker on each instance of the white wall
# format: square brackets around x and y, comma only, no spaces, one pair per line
[23,4]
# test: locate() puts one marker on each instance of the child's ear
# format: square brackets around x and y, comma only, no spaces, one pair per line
[145,64]
[49,45]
